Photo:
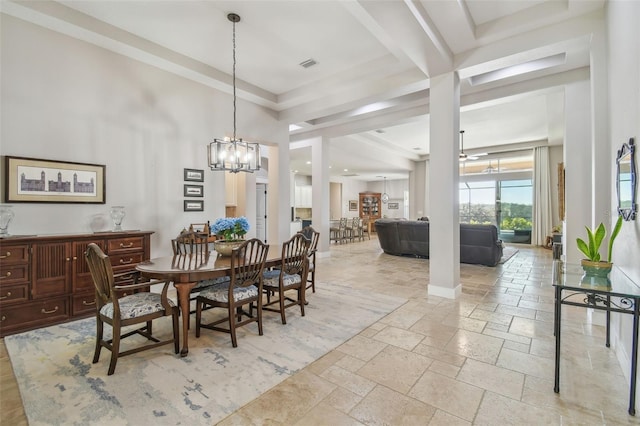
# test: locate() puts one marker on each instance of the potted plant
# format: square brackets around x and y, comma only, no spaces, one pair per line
[596,269]
[231,231]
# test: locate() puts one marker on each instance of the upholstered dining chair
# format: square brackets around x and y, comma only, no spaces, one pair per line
[137,308]
[339,233]
[290,275]
[313,236]
[365,226]
[244,288]
[189,248]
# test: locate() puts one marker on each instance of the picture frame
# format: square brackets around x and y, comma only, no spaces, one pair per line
[35,180]
[193,205]
[193,190]
[393,206]
[353,205]
[194,175]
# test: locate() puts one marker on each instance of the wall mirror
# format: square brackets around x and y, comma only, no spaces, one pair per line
[627,180]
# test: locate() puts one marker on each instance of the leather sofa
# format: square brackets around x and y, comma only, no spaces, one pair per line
[479,244]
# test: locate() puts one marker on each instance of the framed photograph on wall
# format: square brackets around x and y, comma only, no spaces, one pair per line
[353,205]
[193,205]
[33,180]
[193,175]
[193,190]
[393,206]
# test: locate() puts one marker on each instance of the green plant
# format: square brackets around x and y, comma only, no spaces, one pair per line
[592,249]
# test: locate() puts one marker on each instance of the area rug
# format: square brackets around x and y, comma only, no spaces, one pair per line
[508,253]
[60,386]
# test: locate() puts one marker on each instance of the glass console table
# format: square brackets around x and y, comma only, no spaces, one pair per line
[622,296]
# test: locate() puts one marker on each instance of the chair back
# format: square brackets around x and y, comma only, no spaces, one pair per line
[247,263]
[294,255]
[102,274]
[191,243]
[312,235]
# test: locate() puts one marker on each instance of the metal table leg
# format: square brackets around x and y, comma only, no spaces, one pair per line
[556,386]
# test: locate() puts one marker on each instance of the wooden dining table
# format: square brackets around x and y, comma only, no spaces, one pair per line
[184,271]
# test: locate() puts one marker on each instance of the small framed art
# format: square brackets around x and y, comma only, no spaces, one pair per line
[193,205]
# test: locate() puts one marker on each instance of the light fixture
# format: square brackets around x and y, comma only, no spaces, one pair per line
[462,156]
[385,196]
[232,154]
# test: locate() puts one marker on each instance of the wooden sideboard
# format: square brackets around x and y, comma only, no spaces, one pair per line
[44,279]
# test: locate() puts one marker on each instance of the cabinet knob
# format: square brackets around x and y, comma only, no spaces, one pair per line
[124,262]
[4,257]
[6,276]
[3,318]
[123,245]
[6,297]
[91,303]
[75,257]
[68,259]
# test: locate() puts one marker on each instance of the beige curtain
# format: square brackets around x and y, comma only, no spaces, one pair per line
[542,216]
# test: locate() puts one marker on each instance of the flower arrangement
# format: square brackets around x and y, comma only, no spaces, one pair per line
[231,228]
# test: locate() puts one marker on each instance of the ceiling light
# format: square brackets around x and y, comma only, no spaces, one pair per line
[308,162]
[385,196]
[462,156]
[233,154]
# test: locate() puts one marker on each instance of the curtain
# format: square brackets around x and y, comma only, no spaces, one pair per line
[542,216]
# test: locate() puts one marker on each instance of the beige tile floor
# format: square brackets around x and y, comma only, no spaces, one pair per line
[484,359]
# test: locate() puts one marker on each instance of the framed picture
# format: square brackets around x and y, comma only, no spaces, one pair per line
[193,205]
[353,205]
[193,175]
[393,206]
[33,180]
[193,190]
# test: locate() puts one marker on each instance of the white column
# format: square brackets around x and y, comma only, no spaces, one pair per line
[320,191]
[578,167]
[278,195]
[418,190]
[602,161]
[444,229]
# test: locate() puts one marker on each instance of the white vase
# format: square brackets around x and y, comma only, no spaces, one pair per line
[117,215]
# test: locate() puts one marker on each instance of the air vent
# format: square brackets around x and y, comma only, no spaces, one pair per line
[308,63]
[380,131]
[351,175]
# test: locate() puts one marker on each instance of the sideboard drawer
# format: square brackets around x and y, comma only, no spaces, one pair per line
[83,304]
[129,260]
[11,274]
[18,253]
[43,312]
[124,245]
[10,294]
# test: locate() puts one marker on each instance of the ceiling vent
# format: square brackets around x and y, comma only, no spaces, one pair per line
[380,131]
[351,175]
[308,63]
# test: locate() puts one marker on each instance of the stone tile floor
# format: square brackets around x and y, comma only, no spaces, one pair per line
[483,359]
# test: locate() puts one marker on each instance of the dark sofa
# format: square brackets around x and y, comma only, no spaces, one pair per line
[478,243]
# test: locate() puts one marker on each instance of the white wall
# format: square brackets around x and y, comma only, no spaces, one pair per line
[624,113]
[64,99]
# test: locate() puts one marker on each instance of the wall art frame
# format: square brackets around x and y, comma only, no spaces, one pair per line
[353,205]
[193,190]
[36,180]
[194,175]
[393,206]
[193,205]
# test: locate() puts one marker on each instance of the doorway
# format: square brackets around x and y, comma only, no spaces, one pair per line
[261,211]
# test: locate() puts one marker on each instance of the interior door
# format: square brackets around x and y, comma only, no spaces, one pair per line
[261,211]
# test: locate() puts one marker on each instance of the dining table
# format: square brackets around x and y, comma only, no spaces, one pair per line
[185,271]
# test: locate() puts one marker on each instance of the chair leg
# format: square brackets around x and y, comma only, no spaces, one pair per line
[99,335]
[150,328]
[313,281]
[176,331]
[232,326]
[282,315]
[301,300]
[198,317]
[115,350]
[259,315]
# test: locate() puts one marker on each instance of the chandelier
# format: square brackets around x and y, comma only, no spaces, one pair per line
[232,154]
[385,196]
[462,156]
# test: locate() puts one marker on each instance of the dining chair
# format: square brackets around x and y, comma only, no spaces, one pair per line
[122,311]
[244,288]
[290,275]
[313,236]
[189,249]
[365,227]
[354,229]
[338,234]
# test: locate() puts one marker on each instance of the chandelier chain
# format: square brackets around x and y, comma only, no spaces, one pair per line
[234,80]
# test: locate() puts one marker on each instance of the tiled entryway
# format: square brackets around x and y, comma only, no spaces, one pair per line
[485,359]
